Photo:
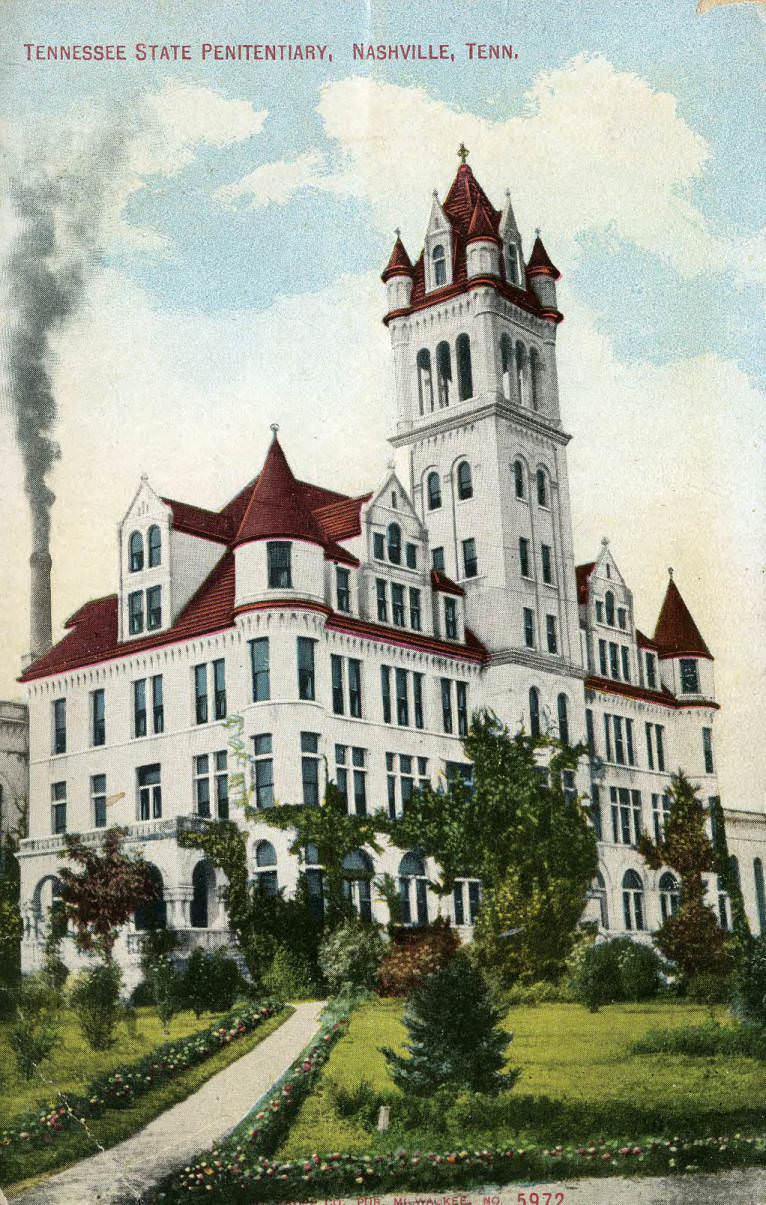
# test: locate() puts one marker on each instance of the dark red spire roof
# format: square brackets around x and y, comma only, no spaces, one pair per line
[463,197]
[277,505]
[582,574]
[482,225]
[399,263]
[540,263]
[676,633]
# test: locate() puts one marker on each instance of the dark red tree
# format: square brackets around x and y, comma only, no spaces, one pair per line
[102,895]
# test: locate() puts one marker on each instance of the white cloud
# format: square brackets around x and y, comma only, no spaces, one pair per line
[277,183]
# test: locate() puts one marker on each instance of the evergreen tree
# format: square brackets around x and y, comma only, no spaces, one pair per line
[456,1041]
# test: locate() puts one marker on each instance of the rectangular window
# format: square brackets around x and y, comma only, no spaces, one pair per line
[378,546]
[415,621]
[222,784]
[660,813]
[619,744]
[263,770]
[450,618]
[58,807]
[306,680]
[707,749]
[417,699]
[139,707]
[626,815]
[380,593]
[651,675]
[545,557]
[200,694]
[98,717]
[690,682]
[659,737]
[402,705]
[648,729]
[608,736]
[136,612]
[437,559]
[457,896]
[397,604]
[602,663]
[202,785]
[154,608]
[358,761]
[622,618]
[629,742]
[158,708]
[278,555]
[524,556]
[343,588]
[411,551]
[59,726]
[336,674]
[595,810]
[259,669]
[385,689]
[446,689]
[149,792]
[529,628]
[599,611]
[406,781]
[625,656]
[550,633]
[341,771]
[98,800]
[355,688]
[219,688]
[462,708]
[470,561]
[614,660]
[589,734]
[391,784]
[310,768]
[635,800]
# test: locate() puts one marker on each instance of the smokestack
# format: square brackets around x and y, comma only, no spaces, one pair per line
[40,631]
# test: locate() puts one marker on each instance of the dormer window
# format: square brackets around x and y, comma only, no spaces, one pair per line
[434,489]
[394,541]
[439,260]
[136,612]
[154,607]
[450,618]
[136,547]
[690,681]
[280,572]
[155,547]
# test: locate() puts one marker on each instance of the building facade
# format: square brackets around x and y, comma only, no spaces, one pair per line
[351,638]
[14,768]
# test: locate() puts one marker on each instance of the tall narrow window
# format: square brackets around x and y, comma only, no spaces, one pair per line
[470,560]
[385,691]
[707,749]
[413,890]
[278,557]
[139,707]
[381,597]
[397,604]
[563,719]
[358,761]
[690,680]
[590,736]
[609,603]
[603,908]
[614,660]
[512,265]
[659,736]
[660,813]
[336,674]
[402,705]
[547,566]
[263,770]
[417,699]
[266,875]
[464,375]
[633,901]
[524,556]
[58,807]
[622,618]
[506,361]
[202,785]
[355,688]
[595,810]
[443,373]
[306,679]
[529,627]
[259,669]
[534,378]
[149,792]
[155,546]
[343,588]
[154,608]
[136,612]
[518,478]
[651,675]
[98,717]
[551,634]
[358,873]
[649,730]
[534,711]
[521,374]
[461,691]
[446,692]
[439,260]
[542,488]
[222,784]
[629,742]
[98,800]
[607,737]
[378,546]
[310,768]
[619,744]
[434,491]
[603,666]
[437,559]
[415,615]
[136,551]
[200,694]
[219,688]
[625,656]
[158,708]
[411,555]
[450,618]
[425,381]
[464,481]
[394,543]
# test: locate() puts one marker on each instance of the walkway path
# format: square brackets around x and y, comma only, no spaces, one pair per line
[122,1174]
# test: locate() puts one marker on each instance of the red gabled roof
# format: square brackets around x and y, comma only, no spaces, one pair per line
[582,574]
[342,520]
[444,584]
[278,505]
[644,642]
[676,633]
[663,697]
[197,521]
[540,263]
[482,225]
[399,263]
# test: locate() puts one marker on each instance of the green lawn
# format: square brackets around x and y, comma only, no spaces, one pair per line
[74,1064]
[577,1081]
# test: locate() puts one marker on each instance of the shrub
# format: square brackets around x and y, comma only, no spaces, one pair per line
[350,1101]
[32,1041]
[709,987]
[290,976]
[749,995]
[95,997]
[704,1040]
[350,956]
[210,982]
[620,969]
[640,970]
[455,1036]
[413,954]
[536,993]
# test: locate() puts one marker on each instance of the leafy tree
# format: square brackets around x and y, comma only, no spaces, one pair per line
[210,981]
[103,895]
[35,1034]
[691,937]
[350,957]
[160,975]
[95,997]
[456,1041]
[520,831]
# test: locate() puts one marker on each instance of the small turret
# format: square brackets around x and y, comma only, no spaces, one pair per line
[397,277]
[512,248]
[482,252]
[438,247]
[542,275]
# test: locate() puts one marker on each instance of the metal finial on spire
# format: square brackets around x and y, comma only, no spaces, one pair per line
[508,193]
[398,232]
[537,231]
[391,465]
[463,153]
[144,476]
[274,428]
[605,541]
[670,572]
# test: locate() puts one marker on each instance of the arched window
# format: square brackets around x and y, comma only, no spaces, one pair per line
[203,886]
[633,901]
[394,542]
[136,547]
[434,491]
[512,264]
[357,876]
[155,546]
[425,382]
[518,478]
[521,372]
[542,488]
[439,261]
[669,895]
[413,889]
[443,373]
[760,894]
[609,607]
[506,365]
[603,904]
[464,481]
[534,378]
[464,376]
[563,719]
[266,880]
[534,711]
[154,914]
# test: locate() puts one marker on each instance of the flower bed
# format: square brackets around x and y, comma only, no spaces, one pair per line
[123,1086]
[236,1172]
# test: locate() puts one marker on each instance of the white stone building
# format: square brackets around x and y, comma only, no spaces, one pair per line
[354,636]
[14,767]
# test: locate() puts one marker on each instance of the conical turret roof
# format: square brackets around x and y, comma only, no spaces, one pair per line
[399,264]
[540,263]
[482,225]
[277,505]
[676,633]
